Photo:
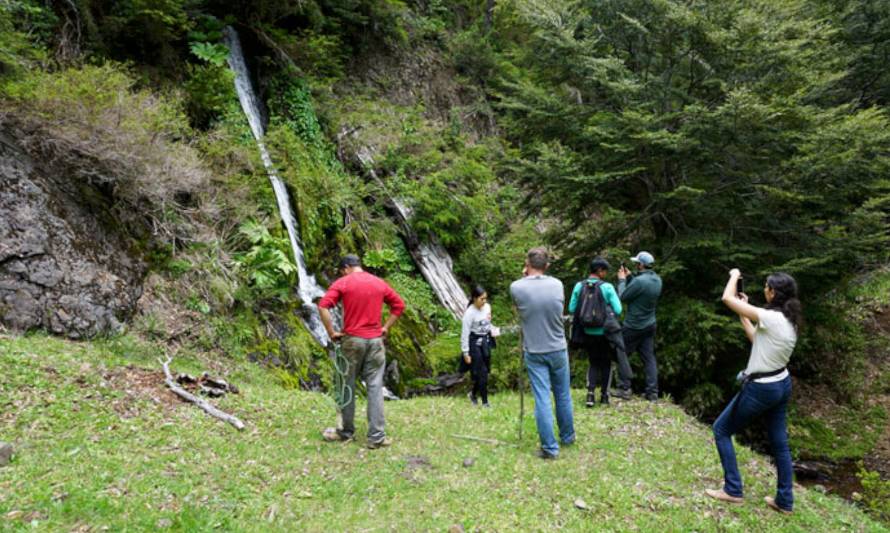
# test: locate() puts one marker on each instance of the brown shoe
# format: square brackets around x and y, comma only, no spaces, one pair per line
[332,435]
[380,443]
[723,497]
[771,503]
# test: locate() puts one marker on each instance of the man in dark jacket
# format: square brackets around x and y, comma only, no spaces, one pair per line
[640,296]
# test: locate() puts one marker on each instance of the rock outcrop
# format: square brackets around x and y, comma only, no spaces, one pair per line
[65,264]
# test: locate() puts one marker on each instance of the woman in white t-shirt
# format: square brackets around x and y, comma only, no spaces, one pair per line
[766,385]
[475,343]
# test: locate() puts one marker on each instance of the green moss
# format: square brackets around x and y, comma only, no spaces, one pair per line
[847,434]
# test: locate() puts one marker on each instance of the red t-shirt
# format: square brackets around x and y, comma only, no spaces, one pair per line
[363,295]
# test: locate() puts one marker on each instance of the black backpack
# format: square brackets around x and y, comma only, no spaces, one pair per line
[592,307]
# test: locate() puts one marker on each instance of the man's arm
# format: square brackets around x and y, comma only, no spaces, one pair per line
[396,307]
[629,292]
[329,324]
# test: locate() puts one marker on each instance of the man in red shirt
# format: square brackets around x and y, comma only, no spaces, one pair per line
[363,295]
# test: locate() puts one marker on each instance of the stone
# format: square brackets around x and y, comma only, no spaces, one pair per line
[65,263]
[468,462]
[5,453]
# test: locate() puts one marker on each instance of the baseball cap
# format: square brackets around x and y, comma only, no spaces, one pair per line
[350,260]
[644,257]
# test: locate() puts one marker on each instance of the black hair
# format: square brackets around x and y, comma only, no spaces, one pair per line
[350,260]
[598,263]
[478,290]
[785,298]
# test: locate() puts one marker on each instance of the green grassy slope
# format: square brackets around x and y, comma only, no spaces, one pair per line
[100,443]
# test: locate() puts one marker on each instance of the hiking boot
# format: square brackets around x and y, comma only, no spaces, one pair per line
[541,454]
[380,443]
[771,503]
[723,497]
[604,399]
[486,405]
[623,394]
[472,398]
[332,435]
[591,398]
[652,397]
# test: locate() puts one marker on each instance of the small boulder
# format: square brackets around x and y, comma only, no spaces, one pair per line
[5,453]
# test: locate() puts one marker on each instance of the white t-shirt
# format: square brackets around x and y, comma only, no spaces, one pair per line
[774,340]
[476,321]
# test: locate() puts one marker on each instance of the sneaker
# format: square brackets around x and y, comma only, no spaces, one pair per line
[472,398]
[723,497]
[486,405]
[604,400]
[332,435]
[541,454]
[652,397]
[771,503]
[590,399]
[380,443]
[623,394]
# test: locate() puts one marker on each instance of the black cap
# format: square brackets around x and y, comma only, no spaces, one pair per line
[350,260]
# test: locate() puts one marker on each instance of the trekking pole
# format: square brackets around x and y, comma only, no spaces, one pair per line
[521,388]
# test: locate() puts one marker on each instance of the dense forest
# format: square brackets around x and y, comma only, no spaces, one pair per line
[715,134]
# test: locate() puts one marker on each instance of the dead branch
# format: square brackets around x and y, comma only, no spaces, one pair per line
[203,404]
[480,439]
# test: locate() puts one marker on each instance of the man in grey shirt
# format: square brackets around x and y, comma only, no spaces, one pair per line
[540,300]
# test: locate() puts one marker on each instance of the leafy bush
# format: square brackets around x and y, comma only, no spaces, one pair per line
[875,493]
[267,265]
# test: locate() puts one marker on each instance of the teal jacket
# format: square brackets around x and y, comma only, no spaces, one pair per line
[641,297]
[609,294]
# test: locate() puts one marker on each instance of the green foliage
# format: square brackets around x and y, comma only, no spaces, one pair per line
[875,494]
[847,434]
[711,134]
[210,92]
[267,265]
[213,53]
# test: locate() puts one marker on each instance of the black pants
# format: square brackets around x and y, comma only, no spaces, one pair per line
[480,353]
[599,373]
[643,340]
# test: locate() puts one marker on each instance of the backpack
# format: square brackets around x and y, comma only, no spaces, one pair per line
[592,307]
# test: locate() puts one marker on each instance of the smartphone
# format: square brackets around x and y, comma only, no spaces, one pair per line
[740,286]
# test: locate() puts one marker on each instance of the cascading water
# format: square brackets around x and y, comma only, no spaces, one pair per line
[308,288]
[431,257]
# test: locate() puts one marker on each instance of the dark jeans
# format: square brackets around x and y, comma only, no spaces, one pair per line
[599,373]
[480,365]
[643,340]
[769,402]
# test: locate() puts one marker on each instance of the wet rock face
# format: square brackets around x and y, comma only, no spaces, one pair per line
[64,266]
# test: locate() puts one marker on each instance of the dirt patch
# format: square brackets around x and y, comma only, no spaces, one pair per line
[414,464]
[138,385]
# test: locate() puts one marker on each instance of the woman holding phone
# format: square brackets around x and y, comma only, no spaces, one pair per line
[766,384]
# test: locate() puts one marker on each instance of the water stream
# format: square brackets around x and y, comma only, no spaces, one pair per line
[308,288]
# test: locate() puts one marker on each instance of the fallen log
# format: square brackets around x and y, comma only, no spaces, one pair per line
[203,404]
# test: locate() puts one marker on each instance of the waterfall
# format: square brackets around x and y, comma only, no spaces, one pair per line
[431,257]
[308,289]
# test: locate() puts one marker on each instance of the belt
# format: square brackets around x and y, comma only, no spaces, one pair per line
[760,375]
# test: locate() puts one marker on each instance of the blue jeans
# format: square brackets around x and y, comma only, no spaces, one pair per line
[768,401]
[546,371]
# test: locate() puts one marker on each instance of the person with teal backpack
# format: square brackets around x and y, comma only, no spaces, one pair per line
[595,304]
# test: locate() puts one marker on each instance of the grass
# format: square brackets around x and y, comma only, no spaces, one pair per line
[95,450]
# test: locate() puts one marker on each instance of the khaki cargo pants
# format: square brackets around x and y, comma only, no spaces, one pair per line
[367,359]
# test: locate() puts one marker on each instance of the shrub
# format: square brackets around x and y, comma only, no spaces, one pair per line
[113,137]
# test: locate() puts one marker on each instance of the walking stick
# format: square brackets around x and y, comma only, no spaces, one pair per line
[521,388]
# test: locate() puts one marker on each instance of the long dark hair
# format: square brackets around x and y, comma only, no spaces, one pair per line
[477,291]
[785,298]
